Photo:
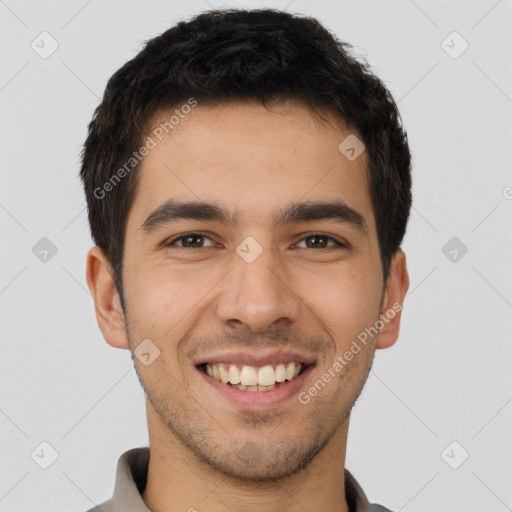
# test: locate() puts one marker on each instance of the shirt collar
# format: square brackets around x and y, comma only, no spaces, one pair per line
[132,472]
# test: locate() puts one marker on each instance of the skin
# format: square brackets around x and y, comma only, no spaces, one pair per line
[206,453]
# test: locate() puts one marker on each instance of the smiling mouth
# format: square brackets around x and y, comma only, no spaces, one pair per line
[254,378]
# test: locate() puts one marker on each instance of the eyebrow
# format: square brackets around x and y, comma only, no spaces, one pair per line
[173,210]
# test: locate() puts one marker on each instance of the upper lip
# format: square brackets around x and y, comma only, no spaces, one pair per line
[256,359]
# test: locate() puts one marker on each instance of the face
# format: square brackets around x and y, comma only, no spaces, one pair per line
[267,286]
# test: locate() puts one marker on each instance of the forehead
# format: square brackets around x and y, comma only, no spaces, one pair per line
[250,159]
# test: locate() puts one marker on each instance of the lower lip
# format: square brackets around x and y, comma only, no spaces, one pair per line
[258,399]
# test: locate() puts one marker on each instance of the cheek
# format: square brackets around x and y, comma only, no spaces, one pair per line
[346,301]
[162,298]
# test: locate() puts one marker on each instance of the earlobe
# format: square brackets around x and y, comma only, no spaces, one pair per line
[109,314]
[396,288]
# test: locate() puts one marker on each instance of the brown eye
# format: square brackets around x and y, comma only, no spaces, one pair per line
[321,241]
[189,241]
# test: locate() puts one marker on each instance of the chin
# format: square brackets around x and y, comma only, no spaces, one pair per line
[257,463]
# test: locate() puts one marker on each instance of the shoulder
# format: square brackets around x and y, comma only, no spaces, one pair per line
[103,507]
[374,507]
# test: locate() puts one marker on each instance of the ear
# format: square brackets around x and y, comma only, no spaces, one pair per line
[396,288]
[109,313]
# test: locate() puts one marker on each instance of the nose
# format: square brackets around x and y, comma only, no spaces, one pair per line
[258,295]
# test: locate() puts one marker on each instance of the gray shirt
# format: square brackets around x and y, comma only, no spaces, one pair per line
[132,472]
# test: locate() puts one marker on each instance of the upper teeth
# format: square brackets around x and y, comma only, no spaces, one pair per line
[251,376]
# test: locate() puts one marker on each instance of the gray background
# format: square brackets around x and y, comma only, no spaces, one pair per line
[447,379]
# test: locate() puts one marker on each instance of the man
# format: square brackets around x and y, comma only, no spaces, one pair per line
[248,186]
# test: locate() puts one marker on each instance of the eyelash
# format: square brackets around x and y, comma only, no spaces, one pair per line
[170,243]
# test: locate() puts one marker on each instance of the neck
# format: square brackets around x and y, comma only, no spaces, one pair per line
[179,481]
